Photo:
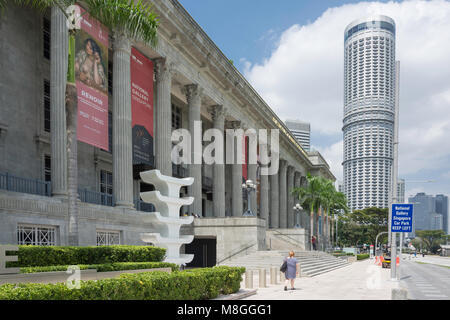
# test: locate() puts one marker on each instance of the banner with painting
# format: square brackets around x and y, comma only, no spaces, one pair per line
[91,74]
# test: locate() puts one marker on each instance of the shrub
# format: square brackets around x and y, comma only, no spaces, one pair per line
[362,256]
[35,256]
[117,266]
[193,284]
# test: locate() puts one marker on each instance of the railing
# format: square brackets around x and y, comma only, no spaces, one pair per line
[104,199]
[144,206]
[240,250]
[32,186]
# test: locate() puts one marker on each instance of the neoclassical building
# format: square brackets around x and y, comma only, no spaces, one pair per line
[193,81]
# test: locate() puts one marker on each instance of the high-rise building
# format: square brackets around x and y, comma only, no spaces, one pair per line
[401,191]
[301,131]
[442,208]
[424,206]
[369,110]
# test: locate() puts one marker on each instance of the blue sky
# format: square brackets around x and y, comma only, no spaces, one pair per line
[291,52]
[244,28]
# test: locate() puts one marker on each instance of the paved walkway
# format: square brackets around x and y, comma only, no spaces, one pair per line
[362,280]
[438,260]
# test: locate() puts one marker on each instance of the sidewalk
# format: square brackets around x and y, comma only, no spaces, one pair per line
[362,280]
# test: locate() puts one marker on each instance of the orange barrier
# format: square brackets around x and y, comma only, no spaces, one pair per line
[398,260]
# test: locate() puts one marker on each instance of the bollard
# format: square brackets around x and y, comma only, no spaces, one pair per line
[262,278]
[249,279]
[273,275]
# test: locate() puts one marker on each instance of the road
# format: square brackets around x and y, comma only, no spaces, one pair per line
[425,281]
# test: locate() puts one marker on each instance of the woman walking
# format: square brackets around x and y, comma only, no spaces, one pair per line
[291,270]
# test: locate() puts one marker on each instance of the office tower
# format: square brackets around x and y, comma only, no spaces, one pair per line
[369,109]
[401,191]
[424,206]
[442,208]
[301,131]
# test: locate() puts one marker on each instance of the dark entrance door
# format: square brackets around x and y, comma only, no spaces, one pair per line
[204,251]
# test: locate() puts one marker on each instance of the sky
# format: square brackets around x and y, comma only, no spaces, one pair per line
[292,53]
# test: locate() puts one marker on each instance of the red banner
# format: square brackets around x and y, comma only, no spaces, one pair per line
[142,107]
[91,72]
[245,165]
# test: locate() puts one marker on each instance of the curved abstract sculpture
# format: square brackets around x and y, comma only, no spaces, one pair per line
[167,201]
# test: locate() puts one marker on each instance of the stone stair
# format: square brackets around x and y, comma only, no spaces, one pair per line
[312,263]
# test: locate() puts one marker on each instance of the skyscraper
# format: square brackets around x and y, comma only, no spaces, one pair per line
[301,131]
[442,208]
[401,191]
[369,110]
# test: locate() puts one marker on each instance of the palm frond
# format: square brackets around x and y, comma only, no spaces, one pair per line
[134,19]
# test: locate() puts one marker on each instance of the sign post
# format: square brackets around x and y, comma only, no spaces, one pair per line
[402,220]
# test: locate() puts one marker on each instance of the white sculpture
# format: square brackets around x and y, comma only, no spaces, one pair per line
[167,201]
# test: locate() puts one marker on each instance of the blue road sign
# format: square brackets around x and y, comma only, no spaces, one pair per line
[402,218]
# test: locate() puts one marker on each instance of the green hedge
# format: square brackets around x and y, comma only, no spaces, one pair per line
[197,284]
[362,256]
[36,256]
[117,266]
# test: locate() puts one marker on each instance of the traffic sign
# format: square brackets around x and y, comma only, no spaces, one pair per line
[402,218]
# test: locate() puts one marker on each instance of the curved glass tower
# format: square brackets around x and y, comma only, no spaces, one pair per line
[369,106]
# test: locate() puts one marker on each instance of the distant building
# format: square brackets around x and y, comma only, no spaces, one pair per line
[424,206]
[401,191]
[442,208]
[436,221]
[301,131]
[430,213]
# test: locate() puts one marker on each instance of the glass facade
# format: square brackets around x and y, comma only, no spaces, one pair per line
[370,25]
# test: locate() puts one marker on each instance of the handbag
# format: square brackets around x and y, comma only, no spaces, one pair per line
[283,266]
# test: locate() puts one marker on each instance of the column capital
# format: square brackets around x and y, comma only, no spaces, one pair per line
[235,124]
[192,91]
[283,164]
[217,111]
[121,43]
[163,67]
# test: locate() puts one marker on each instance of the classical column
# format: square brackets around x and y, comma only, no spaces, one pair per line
[297,177]
[236,178]
[283,194]
[264,198]
[290,196]
[58,75]
[218,116]
[193,97]
[122,133]
[163,147]
[274,201]
[252,169]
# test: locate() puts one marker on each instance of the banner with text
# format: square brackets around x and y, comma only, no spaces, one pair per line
[142,107]
[91,72]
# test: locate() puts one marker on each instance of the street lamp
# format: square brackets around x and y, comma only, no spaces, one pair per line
[297,208]
[250,187]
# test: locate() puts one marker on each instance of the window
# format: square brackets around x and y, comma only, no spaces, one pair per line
[46,37]
[106,187]
[36,235]
[47,123]
[47,168]
[176,117]
[108,238]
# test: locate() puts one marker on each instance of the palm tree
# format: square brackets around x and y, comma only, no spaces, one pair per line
[327,198]
[125,18]
[339,206]
[309,197]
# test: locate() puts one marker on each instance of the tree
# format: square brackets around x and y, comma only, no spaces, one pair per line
[309,197]
[432,239]
[125,18]
[372,221]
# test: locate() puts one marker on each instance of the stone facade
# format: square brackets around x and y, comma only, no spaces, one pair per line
[191,72]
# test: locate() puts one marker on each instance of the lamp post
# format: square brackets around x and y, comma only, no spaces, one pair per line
[250,187]
[297,208]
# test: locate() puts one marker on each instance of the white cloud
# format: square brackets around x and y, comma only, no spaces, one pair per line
[303,78]
[333,156]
